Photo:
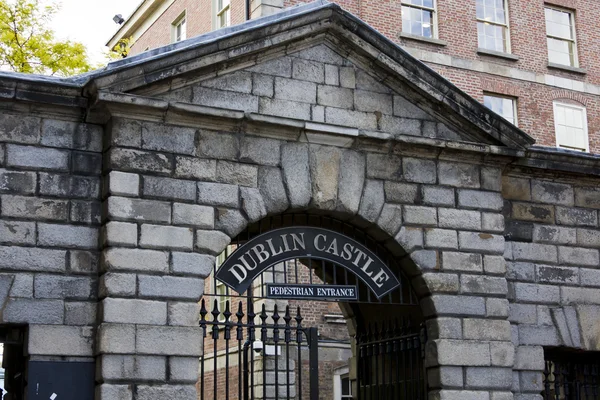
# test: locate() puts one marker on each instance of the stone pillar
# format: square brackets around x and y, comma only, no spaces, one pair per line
[148,338]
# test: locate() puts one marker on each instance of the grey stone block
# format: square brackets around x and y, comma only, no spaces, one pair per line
[438,196]
[390,219]
[426,259]
[444,305]
[14,258]
[496,308]
[325,172]
[404,193]
[83,262]
[533,212]
[459,219]
[166,237]
[577,296]
[410,238]
[86,163]
[260,150]
[134,311]
[441,238]
[534,252]
[347,77]
[320,53]
[459,175]
[289,89]
[39,158]
[139,210]
[166,392]
[195,168]
[253,204]
[232,222]
[372,102]
[383,166]
[168,188]
[116,338]
[280,66]
[584,237]
[531,381]
[356,119]
[576,216]
[262,85]
[120,259]
[80,313]
[223,146]
[22,285]
[170,139]
[480,200]
[130,160]
[64,287]
[213,242]
[30,311]
[308,70]
[183,313]
[296,174]
[352,180]
[34,208]
[418,170]
[467,262]
[401,126]
[485,242]
[124,368]
[441,283]
[522,313]
[272,189]
[49,340]
[183,369]
[492,222]
[538,335]
[372,200]
[444,328]
[418,215]
[364,81]
[17,232]
[69,186]
[459,353]
[334,96]
[67,236]
[483,285]
[239,81]
[488,378]
[491,178]
[19,128]
[284,108]
[223,99]
[192,263]
[195,215]
[175,341]
[535,293]
[317,113]
[218,194]
[332,76]
[448,377]
[125,132]
[529,358]
[589,277]
[521,271]
[406,109]
[123,184]
[18,182]
[554,274]
[87,212]
[107,391]
[578,256]
[494,265]
[486,329]
[552,193]
[118,285]
[170,287]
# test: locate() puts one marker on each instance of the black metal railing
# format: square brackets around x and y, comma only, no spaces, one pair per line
[571,375]
[391,362]
[228,337]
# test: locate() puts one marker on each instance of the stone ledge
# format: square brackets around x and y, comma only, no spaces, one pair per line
[567,68]
[501,54]
[438,42]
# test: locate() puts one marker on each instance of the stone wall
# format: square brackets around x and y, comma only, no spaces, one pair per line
[50,191]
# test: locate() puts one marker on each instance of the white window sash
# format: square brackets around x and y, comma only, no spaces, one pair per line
[572,40]
[556,106]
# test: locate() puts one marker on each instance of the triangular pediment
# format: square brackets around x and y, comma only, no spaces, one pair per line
[318,64]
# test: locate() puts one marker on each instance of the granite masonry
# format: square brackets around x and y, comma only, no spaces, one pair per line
[119,188]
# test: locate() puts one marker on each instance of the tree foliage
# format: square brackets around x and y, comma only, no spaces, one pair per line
[28,45]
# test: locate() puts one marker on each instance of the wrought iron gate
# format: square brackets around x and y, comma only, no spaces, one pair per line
[571,375]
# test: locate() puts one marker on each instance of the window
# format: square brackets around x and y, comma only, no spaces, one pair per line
[221,290]
[570,374]
[570,124]
[179,29]
[223,11]
[492,25]
[418,17]
[342,386]
[506,107]
[560,31]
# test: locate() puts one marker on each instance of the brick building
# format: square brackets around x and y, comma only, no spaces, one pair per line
[533,62]
[304,135]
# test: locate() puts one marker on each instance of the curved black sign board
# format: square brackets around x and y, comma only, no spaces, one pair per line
[249,260]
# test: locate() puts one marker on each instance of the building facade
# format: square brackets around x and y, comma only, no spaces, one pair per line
[533,62]
[119,188]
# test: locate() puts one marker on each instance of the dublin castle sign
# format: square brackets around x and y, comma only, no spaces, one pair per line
[248,261]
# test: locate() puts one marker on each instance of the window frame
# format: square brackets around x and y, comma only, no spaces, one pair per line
[338,375]
[557,103]
[434,21]
[181,20]
[503,96]
[219,12]
[508,49]
[573,33]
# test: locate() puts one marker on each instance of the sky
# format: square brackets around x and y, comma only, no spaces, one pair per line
[90,22]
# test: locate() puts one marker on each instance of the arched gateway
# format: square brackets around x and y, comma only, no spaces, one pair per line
[258,342]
